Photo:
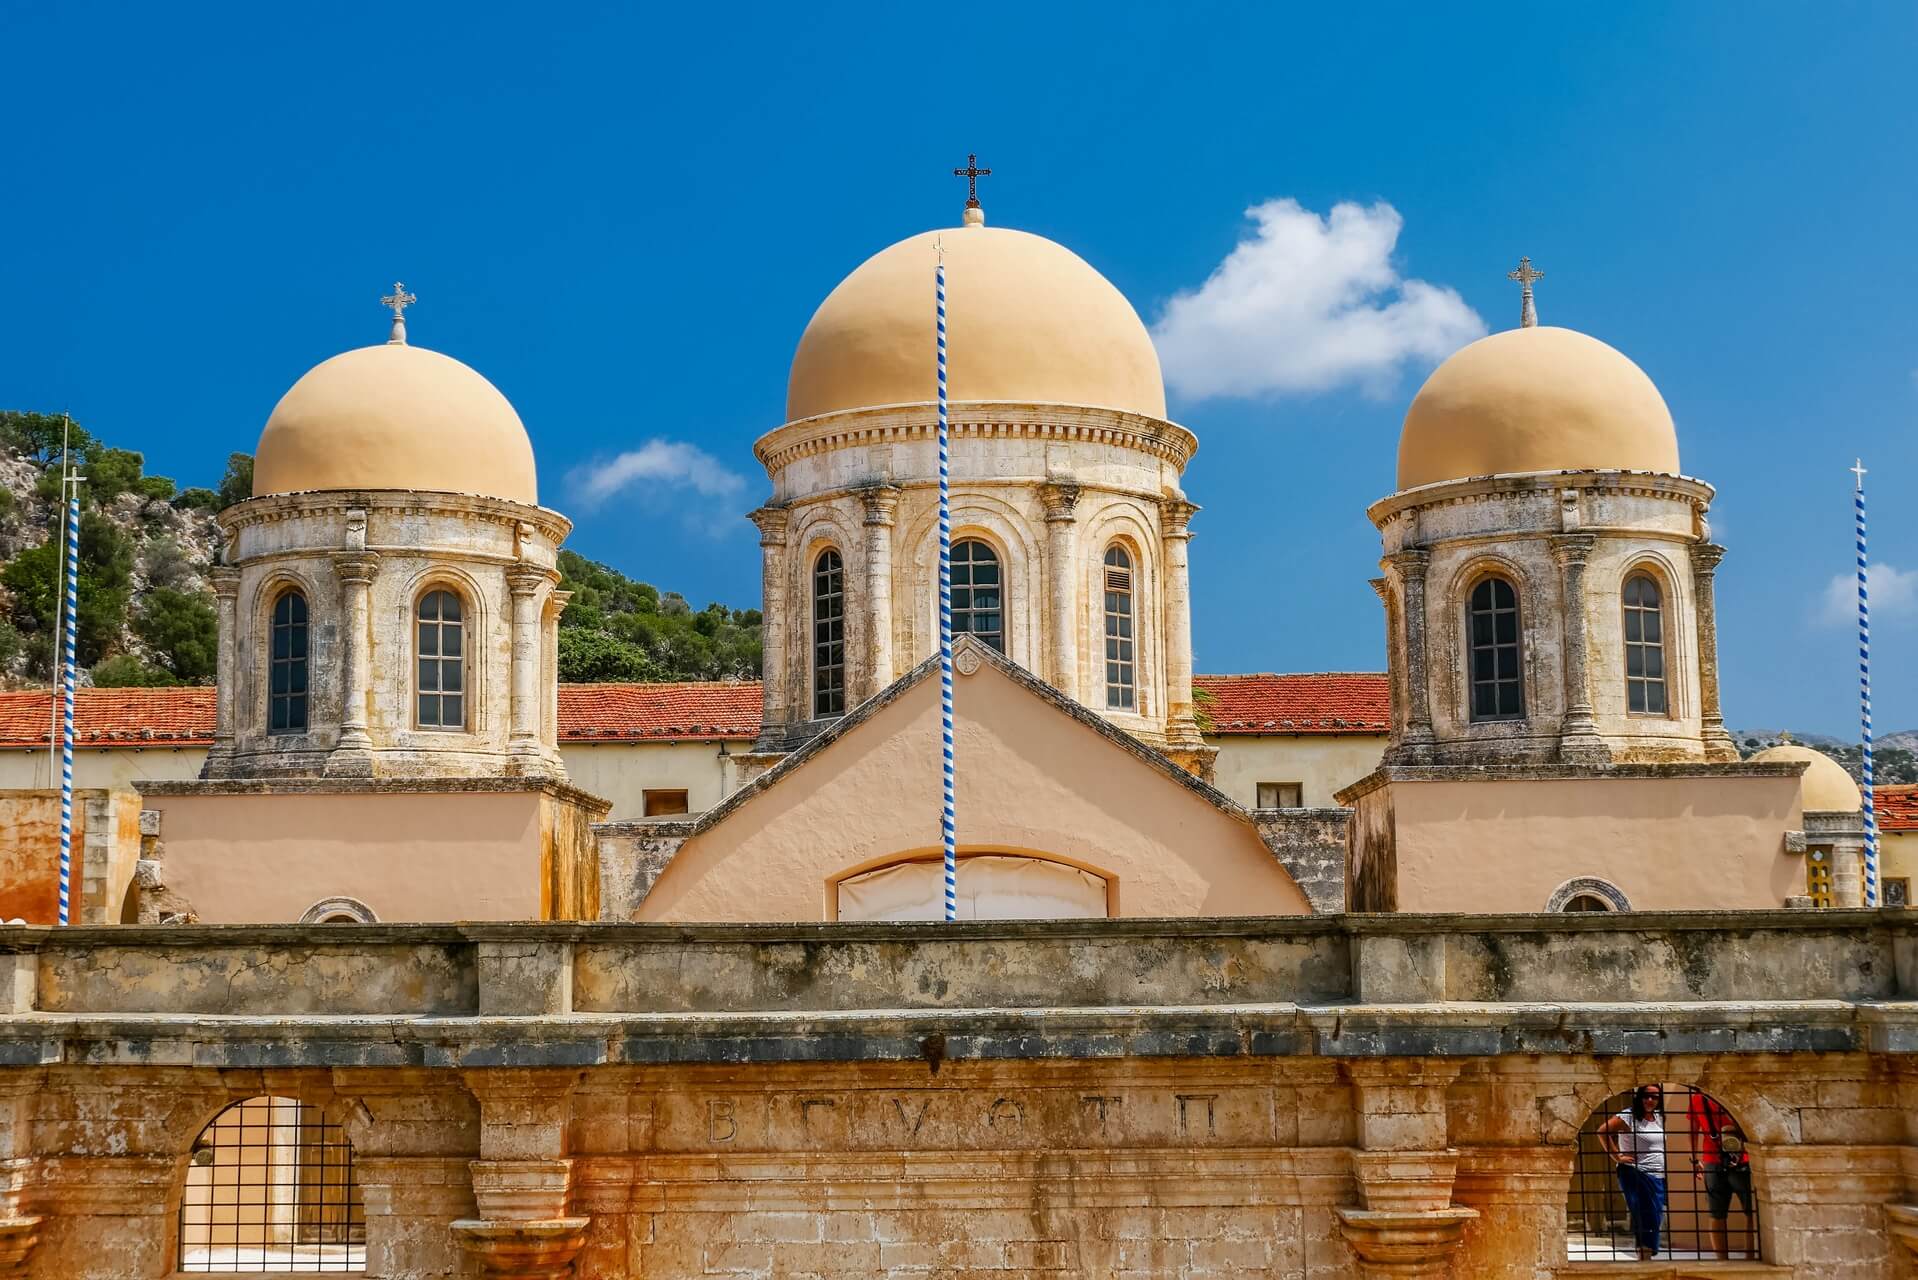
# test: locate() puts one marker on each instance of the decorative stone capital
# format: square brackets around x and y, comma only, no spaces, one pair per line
[225,580]
[1901,1222]
[1408,565]
[1405,1244]
[1178,513]
[1572,550]
[17,1238]
[541,1250]
[527,579]
[1380,588]
[1405,1181]
[772,521]
[881,502]
[1705,558]
[1061,498]
[356,568]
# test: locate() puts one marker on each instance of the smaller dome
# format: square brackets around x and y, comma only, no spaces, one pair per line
[1827,787]
[395,417]
[1535,399]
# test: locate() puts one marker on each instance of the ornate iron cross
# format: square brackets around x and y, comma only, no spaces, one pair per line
[1527,309]
[399,300]
[972,173]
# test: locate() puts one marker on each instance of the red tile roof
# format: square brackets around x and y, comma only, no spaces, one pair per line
[692,711]
[1896,808]
[1315,703]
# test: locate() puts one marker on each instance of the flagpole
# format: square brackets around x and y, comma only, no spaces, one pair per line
[70,487]
[1864,685]
[948,820]
[59,569]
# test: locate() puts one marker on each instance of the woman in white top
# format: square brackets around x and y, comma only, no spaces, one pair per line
[1635,1140]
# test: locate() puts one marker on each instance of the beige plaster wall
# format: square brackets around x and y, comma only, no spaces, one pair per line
[624,771]
[1031,779]
[1322,764]
[408,856]
[1898,855]
[1685,843]
[109,768]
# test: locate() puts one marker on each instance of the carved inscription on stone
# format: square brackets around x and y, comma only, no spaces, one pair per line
[721,1125]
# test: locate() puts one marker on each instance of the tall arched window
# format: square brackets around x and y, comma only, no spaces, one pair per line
[1498,683]
[286,677]
[1119,629]
[828,634]
[442,661]
[1644,647]
[978,600]
[270,1186]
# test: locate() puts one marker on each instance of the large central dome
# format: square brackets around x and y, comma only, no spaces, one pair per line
[1026,320]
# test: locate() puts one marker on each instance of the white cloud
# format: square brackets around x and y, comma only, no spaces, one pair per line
[1309,304]
[1894,594]
[656,464]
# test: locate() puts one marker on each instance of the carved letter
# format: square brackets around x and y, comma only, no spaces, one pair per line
[912,1124]
[1006,1106]
[1206,1098]
[805,1110]
[720,1125]
[1101,1102]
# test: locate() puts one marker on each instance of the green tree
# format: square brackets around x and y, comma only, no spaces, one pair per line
[38,435]
[586,656]
[237,484]
[110,473]
[125,671]
[182,631]
[106,570]
[197,499]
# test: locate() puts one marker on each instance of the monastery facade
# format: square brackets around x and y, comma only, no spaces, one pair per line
[447,971]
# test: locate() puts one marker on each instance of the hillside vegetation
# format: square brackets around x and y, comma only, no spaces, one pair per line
[146,611]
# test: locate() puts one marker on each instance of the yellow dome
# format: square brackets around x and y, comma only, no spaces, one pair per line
[1535,399]
[395,417]
[1827,788]
[1026,320]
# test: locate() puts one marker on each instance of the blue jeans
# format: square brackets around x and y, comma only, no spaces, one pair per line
[1645,1197]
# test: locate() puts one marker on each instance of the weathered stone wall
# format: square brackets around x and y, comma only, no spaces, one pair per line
[1295,1099]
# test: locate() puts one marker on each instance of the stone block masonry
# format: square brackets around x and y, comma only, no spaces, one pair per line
[1317,1097]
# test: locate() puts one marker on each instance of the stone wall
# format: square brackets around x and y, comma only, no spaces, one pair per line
[1298,1098]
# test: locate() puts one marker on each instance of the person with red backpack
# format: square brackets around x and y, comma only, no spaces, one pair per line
[1722,1164]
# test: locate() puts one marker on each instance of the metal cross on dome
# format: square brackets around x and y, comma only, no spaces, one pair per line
[399,300]
[1527,309]
[972,173]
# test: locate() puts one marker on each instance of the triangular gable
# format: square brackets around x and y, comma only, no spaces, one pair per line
[1037,774]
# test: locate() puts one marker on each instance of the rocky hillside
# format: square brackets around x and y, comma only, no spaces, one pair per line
[1894,756]
[145,612]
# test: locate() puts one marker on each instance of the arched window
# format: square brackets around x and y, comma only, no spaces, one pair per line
[1683,1192]
[828,634]
[978,600]
[442,661]
[271,1187]
[286,677]
[1644,647]
[1119,629]
[1588,893]
[1498,685]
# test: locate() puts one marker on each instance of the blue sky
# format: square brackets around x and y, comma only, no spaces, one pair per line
[625,216]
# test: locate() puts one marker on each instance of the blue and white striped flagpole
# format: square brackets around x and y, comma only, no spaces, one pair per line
[68,484]
[1864,685]
[948,819]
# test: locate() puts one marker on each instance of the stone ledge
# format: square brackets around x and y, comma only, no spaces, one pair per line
[1402,773]
[374,786]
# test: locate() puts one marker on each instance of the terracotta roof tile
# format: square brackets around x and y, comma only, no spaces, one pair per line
[1896,808]
[1331,702]
[693,711]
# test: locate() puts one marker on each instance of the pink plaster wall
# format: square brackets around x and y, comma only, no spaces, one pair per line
[1030,779]
[1669,843]
[408,856]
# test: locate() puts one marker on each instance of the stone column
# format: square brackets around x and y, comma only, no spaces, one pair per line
[412,1136]
[777,714]
[1061,499]
[527,583]
[1711,717]
[1407,569]
[522,1180]
[19,1230]
[881,505]
[1578,740]
[226,591]
[353,755]
[1182,727]
[1404,1168]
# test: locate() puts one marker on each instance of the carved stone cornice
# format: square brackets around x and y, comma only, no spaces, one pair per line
[275,508]
[1695,494]
[979,419]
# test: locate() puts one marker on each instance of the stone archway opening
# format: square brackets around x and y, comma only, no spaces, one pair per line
[271,1187]
[1705,1207]
[991,886]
